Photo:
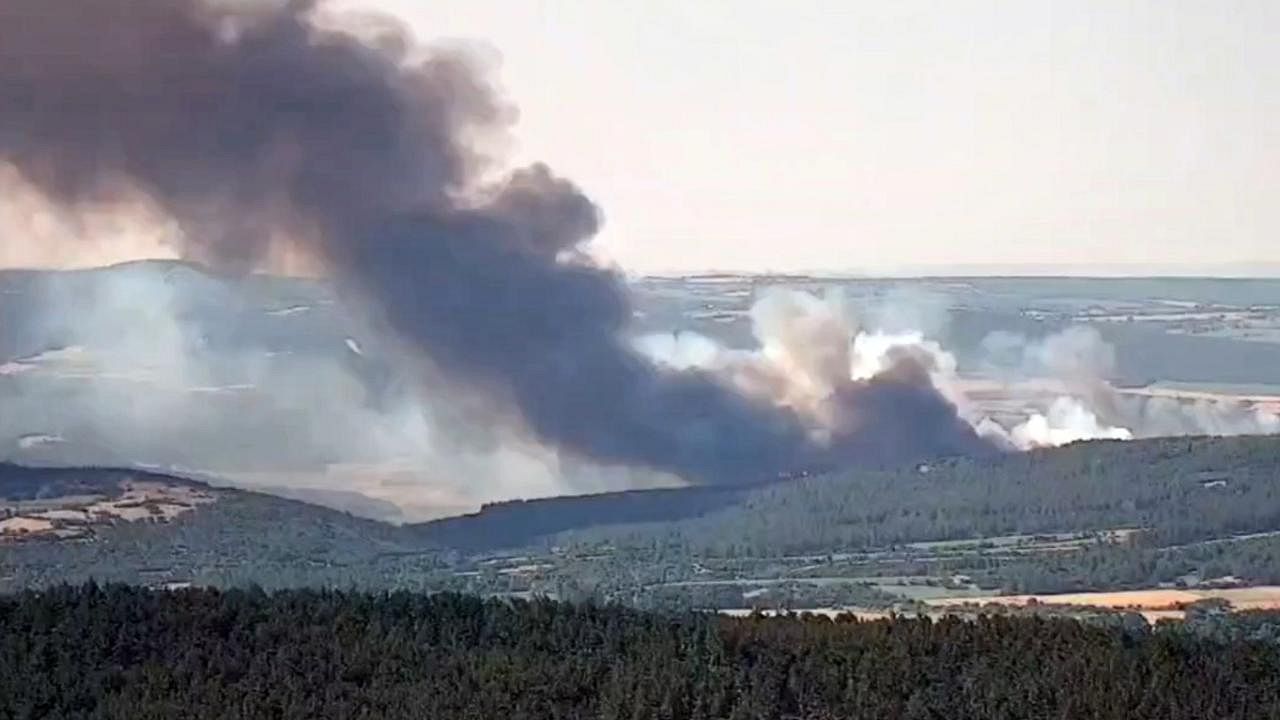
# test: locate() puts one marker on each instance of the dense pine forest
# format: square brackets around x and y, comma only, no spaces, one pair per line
[124,652]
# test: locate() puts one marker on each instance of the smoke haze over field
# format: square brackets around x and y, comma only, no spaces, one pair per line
[257,133]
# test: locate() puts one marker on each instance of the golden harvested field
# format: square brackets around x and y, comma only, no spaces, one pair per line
[137,501]
[1154,602]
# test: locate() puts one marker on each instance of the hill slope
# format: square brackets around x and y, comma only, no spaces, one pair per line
[1093,516]
[69,525]
[1184,488]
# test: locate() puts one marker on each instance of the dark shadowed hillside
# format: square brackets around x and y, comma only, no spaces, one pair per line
[1184,488]
[520,522]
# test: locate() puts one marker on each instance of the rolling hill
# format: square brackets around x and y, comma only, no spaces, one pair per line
[1091,516]
[73,524]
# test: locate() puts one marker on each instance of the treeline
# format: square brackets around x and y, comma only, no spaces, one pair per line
[768,595]
[1255,560]
[122,652]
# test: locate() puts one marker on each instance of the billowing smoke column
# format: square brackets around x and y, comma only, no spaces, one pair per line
[253,126]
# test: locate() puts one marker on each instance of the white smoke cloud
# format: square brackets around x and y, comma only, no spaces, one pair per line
[1058,386]
[1084,405]
[1066,421]
[808,346]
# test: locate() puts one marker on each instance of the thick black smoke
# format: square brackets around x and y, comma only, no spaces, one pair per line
[249,122]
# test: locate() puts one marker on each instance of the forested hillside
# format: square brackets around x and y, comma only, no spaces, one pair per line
[119,652]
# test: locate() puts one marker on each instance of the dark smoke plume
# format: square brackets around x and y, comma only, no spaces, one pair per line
[250,122]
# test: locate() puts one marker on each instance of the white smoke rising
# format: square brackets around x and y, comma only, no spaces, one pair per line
[808,346]
[1066,421]
[1079,364]
[1058,384]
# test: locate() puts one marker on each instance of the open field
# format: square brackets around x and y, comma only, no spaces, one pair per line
[75,515]
[1154,603]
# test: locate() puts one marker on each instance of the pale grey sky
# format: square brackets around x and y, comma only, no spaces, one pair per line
[873,135]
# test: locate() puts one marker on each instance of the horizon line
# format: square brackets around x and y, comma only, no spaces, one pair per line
[1081,271]
[923,271]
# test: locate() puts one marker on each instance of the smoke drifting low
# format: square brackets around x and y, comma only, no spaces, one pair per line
[254,128]
[1077,363]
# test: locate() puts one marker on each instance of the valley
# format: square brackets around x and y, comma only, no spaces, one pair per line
[1194,517]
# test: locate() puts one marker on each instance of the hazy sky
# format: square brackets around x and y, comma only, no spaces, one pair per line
[761,134]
